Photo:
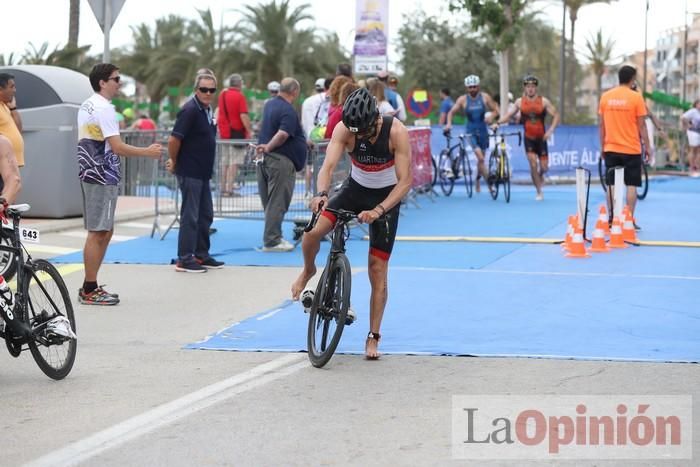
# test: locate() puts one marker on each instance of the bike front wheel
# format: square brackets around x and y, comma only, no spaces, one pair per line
[329,311]
[492,181]
[467,173]
[46,296]
[505,177]
[445,174]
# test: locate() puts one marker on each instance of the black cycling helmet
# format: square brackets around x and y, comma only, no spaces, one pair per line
[530,79]
[360,111]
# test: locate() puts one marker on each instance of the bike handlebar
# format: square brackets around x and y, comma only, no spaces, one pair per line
[495,134]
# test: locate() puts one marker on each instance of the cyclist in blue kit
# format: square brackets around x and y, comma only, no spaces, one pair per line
[475,104]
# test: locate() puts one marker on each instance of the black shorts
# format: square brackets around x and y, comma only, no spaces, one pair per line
[356,198]
[537,146]
[632,164]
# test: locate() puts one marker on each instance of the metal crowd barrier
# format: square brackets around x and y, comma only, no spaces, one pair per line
[234,183]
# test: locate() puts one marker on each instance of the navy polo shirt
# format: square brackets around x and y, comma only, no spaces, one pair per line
[196,130]
[279,114]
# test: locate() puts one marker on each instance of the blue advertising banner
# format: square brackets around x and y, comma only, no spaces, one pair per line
[569,147]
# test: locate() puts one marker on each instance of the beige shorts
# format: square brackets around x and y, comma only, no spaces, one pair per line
[232,153]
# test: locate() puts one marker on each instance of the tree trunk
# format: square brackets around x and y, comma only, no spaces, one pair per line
[503,88]
[571,82]
[599,90]
[73,23]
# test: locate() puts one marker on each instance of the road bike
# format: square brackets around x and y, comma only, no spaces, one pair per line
[499,164]
[642,191]
[451,168]
[8,265]
[42,315]
[328,310]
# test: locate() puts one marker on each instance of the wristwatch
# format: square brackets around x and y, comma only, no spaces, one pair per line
[322,193]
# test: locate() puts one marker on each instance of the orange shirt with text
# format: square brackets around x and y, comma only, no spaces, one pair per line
[619,108]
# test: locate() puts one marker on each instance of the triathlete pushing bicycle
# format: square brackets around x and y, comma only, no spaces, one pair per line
[380,177]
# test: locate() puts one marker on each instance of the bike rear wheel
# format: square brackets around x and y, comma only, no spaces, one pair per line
[47,296]
[329,311]
[435,171]
[467,173]
[644,189]
[505,177]
[8,263]
[493,175]
[446,182]
[601,173]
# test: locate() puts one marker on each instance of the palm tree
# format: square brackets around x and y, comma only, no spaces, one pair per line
[599,53]
[574,6]
[274,42]
[73,23]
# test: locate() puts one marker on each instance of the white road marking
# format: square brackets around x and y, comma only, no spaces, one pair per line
[170,412]
[136,225]
[548,273]
[83,234]
[56,250]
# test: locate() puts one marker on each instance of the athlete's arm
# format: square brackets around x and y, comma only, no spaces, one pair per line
[402,163]
[555,117]
[334,152]
[9,171]
[455,108]
[513,111]
[493,105]
[601,132]
[121,148]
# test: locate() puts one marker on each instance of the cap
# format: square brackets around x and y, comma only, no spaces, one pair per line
[320,84]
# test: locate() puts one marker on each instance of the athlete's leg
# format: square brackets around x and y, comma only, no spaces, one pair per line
[310,244]
[534,171]
[631,198]
[378,272]
[482,171]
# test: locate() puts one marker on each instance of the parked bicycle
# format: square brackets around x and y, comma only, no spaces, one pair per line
[499,164]
[39,316]
[454,168]
[641,190]
[329,305]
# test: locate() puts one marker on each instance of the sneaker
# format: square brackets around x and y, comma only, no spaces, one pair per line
[447,173]
[189,265]
[99,296]
[539,197]
[210,263]
[59,326]
[282,246]
[350,318]
[212,230]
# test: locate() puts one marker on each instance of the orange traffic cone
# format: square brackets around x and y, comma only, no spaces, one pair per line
[572,221]
[616,240]
[603,216]
[578,248]
[628,232]
[599,245]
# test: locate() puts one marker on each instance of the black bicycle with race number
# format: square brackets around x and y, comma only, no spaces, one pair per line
[642,191]
[328,312]
[499,164]
[451,168]
[42,313]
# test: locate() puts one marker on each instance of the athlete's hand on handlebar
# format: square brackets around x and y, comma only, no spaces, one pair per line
[317,202]
[367,217]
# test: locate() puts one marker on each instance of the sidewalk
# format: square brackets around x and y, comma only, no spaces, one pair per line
[128,208]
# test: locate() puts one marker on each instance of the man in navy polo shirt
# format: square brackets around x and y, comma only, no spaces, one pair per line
[282,144]
[192,150]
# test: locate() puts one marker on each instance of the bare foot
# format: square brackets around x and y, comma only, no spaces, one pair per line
[299,284]
[371,345]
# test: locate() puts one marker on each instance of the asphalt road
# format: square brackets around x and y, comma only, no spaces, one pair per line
[135,397]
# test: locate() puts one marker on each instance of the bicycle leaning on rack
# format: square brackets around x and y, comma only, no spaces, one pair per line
[451,168]
[499,164]
[39,316]
[329,305]
[641,190]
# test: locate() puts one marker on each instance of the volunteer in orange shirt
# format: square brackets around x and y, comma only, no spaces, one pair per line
[622,112]
[533,110]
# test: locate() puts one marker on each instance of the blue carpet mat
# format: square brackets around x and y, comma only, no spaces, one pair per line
[500,314]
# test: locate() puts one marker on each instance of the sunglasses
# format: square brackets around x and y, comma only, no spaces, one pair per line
[207,90]
[116,79]
[472,87]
